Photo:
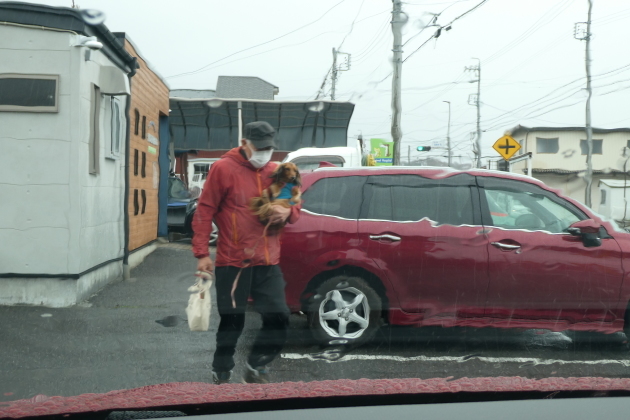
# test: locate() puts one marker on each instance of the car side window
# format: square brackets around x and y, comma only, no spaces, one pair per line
[340,196]
[405,198]
[519,205]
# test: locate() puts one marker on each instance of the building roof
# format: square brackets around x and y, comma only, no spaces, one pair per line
[213,124]
[67,19]
[123,36]
[245,87]
[522,129]
[615,183]
[569,172]
[193,93]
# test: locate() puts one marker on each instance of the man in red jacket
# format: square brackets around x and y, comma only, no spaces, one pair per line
[241,174]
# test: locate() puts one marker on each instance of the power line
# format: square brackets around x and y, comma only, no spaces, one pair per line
[448,25]
[351,25]
[255,46]
[505,49]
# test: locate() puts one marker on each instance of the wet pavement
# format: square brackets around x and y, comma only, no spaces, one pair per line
[134,333]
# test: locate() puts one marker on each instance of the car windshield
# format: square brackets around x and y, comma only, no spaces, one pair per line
[311,201]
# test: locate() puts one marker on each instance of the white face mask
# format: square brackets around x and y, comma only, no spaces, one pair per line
[259,158]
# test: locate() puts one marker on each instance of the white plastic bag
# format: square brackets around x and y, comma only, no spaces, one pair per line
[198,310]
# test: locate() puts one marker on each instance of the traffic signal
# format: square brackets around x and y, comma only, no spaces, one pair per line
[423,148]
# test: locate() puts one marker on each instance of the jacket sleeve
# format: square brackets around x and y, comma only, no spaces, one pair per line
[207,206]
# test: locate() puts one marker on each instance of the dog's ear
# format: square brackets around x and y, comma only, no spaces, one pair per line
[298,178]
[277,173]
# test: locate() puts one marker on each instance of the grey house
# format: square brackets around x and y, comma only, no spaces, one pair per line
[244,87]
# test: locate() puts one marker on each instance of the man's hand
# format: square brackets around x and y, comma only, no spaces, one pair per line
[279,214]
[205,264]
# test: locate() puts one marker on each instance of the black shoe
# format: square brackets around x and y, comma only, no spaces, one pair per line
[221,377]
[259,375]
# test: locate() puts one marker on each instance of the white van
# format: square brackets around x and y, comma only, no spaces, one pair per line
[198,171]
[309,158]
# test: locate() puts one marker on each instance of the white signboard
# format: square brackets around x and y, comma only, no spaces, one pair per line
[153,140]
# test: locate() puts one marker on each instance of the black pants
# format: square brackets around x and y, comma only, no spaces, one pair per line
[266,286]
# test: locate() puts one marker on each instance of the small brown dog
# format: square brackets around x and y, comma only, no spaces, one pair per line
[284,191]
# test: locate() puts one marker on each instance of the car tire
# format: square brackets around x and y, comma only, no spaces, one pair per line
[214,235]
[344,311]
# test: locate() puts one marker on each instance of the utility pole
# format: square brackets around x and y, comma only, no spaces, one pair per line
[409,155]
[397,23]
[477,102]
[448,134]
[586,36]
[334,75]
[344,66]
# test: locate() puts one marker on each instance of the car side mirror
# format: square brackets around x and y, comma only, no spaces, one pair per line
[589,231]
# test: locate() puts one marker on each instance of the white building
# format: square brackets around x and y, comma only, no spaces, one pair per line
[63,127]
[559,157]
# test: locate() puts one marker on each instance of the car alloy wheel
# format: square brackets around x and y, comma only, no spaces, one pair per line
[344,311]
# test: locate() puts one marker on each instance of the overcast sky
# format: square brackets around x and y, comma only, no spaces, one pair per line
[527,50]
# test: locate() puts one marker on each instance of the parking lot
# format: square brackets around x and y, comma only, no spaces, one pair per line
[114,342]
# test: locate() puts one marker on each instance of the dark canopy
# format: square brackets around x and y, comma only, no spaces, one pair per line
[204,125]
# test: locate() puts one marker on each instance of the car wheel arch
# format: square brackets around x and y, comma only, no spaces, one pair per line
[374,281]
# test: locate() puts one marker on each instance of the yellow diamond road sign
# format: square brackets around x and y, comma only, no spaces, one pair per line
[506,146]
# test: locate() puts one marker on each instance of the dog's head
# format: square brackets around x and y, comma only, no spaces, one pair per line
[287,172]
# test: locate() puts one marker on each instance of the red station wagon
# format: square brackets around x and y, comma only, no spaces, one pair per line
[435,246]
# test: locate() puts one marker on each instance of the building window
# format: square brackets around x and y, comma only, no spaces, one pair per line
[95,113]
[522,149]
[144,201]
[29,93]
[143,170]
[135,162]
[603,199]
[597,147]
[136,127]
[144,127]
[546,145]
[628,144]
[136,204]
[116,128]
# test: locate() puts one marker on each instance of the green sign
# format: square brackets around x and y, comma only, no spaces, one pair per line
[152,150]
[382,151]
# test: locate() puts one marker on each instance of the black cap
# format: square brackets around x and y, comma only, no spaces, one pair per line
[261,134]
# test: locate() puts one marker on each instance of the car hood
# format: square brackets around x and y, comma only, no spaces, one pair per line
[193,395]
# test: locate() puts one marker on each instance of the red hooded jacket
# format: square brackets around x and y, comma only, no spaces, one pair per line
[231,184]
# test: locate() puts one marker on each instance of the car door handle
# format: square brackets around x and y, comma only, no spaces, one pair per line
[390,237]
[505,246]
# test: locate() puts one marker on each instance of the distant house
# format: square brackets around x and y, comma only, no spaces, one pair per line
[244,87]
[559,156]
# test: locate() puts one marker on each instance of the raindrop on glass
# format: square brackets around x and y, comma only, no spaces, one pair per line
[214,103]
[92,16]
[316,107]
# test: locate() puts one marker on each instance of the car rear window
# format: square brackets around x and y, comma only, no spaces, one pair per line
[339,196]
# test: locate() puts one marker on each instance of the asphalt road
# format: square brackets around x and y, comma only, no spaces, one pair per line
[113,342]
